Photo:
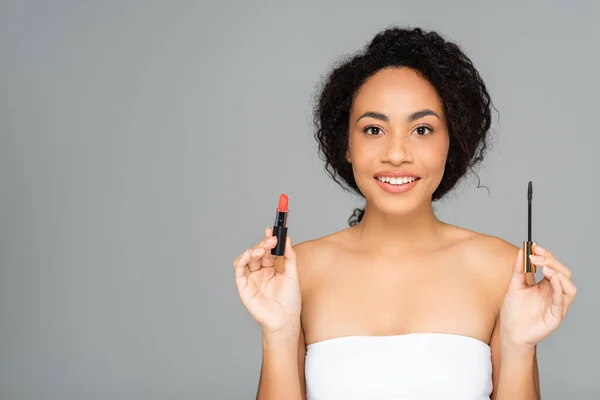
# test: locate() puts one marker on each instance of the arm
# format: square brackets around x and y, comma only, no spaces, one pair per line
[515,373]
[282,371]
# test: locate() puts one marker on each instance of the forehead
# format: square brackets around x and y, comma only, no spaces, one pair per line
[396,91]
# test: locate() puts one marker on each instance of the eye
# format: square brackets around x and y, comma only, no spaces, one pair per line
[422,130]
[374,130]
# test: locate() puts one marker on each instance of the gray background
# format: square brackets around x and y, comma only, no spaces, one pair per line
[143,145]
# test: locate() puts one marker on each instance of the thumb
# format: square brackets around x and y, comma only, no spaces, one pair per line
[289,257]
[518,280]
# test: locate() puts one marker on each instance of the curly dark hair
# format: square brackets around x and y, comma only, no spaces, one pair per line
[466,102]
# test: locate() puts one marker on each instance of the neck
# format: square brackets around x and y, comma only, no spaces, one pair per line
[399,235]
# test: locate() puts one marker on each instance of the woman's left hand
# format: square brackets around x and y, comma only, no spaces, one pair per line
[532,312]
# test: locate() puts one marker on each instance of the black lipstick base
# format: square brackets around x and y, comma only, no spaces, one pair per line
[280,228]
[281,233]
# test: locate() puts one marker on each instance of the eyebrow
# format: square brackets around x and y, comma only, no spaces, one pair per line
[412,117]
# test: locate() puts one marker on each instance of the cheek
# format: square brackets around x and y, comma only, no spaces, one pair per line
[364,156]
[434,155]
[360,151]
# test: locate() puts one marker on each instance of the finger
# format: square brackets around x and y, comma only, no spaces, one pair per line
[518,280]
[289,252]
[289,257]
[545,257]
[568,286]
[262,250]
[558,297]
[268,242]
[569,298]
[530,278]
[569,290]
[239,265]
[539,250]
[255,258]
[553,263]
[268,259]
[238,260]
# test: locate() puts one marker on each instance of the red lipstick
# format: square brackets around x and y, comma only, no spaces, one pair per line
[280,226]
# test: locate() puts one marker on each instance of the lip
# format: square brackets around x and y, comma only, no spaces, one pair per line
[396,174]
[388,187]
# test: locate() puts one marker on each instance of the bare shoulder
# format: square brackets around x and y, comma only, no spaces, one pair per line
[491,256]
[315,255]
[495,251]
[317,248]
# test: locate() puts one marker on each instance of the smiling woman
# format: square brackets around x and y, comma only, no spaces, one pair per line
[395,181]
[405,137]
[398,304]
[453,89]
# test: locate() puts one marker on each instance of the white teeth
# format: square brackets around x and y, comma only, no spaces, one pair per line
[397,181]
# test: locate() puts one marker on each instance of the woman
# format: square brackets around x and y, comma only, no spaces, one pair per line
[401,304]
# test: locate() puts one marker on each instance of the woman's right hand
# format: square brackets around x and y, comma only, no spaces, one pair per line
[271,297]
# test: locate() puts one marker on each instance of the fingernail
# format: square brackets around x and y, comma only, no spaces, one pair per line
[257,251]
[270,240]
[539,249]
[536,259]
[548,271]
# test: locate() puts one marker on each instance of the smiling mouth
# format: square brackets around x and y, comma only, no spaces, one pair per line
[397,181]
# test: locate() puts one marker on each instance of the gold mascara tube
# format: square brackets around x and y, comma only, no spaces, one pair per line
[528,246]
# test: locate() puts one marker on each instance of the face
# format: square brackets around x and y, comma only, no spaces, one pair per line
[397,132]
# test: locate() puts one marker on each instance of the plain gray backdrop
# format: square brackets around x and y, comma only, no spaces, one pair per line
[144,144]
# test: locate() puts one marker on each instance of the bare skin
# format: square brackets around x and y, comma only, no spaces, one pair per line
[456,286]
[369,294]
[400,270]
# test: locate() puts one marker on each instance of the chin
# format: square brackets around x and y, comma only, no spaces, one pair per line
[399,208]
[396,206]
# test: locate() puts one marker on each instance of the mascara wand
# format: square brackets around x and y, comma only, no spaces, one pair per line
[529,244]
[529,197]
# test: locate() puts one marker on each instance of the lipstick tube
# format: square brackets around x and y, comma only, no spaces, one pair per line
[280,226]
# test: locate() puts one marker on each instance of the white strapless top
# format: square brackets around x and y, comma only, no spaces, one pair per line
[415,366]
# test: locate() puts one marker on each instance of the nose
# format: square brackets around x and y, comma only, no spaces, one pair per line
[397,149]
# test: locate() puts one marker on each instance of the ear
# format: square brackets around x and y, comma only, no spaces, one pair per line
[348,157]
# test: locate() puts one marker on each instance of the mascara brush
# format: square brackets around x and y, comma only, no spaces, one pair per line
[529,244]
